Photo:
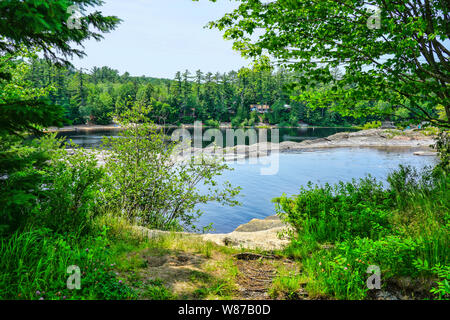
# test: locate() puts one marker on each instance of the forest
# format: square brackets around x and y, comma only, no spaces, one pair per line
[121,222]
[94,96]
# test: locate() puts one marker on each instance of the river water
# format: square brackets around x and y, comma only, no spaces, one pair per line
[93,139]
[292,171]
[295,170]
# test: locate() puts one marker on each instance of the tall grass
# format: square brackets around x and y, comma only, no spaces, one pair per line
[342,229]
[34,266]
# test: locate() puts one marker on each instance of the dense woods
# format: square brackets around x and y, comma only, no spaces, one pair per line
[63,210]
[94,95]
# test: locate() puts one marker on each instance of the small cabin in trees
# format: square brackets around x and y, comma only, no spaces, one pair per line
[259,108]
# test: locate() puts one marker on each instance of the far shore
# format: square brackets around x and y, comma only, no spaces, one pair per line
[411,141]
[97,127]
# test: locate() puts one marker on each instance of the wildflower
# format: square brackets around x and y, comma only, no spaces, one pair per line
[64,297]
[41,298]
[120,281]
[345,268]
[320,263]
[38,293]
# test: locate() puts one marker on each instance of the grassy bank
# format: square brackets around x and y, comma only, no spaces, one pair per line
[340,231]
[118,263]
[344,229]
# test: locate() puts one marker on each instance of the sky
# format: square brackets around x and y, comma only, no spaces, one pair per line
[157,38]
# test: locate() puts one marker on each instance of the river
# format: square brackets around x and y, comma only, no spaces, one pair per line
[293,171]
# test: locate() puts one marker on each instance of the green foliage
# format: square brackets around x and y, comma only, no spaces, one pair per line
[212,123]
[23,107]
[72,194]
[443,148]
[34,266]
[335,213]
[44,25]
[24,168]
[372,125]
[391,52]
[150,185]
[44,185]
[442,291]
[340,230]
[92,96]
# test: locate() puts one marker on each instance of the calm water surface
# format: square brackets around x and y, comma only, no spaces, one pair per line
[295,170]
[93,139]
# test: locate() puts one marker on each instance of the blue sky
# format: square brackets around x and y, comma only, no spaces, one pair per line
[160,37]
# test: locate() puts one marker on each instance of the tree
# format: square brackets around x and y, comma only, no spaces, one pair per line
[41,26]
[149,185]
[44,25]
[393,51]
[27,27]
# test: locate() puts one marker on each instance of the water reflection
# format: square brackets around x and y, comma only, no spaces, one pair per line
[92,139]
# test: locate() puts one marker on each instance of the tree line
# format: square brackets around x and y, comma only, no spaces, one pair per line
[93,96]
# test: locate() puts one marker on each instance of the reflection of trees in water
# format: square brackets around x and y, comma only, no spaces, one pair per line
[92,139]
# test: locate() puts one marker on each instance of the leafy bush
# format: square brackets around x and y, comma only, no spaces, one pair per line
[71,193]
[236,122]
[150,186]
[24,167]
[442,290]
[340,230]
[443,148]
[372,125]
[334,213]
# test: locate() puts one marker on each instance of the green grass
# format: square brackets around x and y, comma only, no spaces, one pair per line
[342,229]
[34,266]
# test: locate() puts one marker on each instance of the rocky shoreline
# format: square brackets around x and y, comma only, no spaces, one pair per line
[416,142]
[265,234]
[270,233]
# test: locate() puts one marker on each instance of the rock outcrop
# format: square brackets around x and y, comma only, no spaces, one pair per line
[265,234]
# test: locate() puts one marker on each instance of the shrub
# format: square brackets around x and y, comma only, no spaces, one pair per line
[150,186]
[24,166]
[372,125]
[71,193]
[236,122]
[341,230]
[34,266]
[334,213]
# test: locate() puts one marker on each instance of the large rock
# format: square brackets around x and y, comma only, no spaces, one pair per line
[265,234]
